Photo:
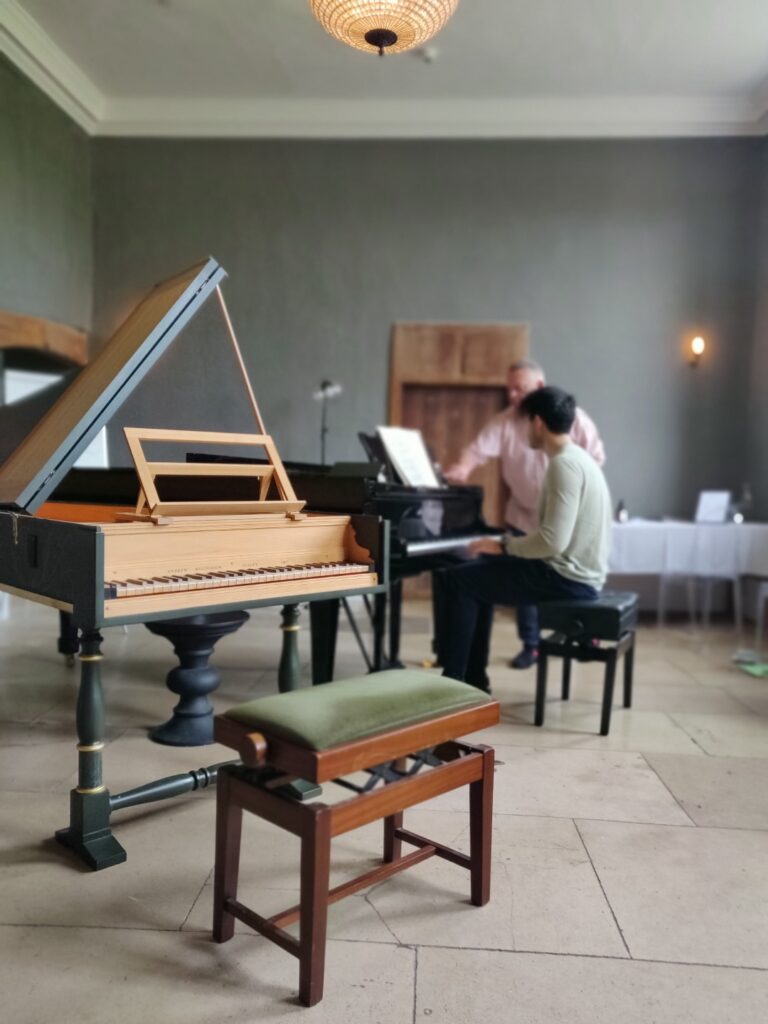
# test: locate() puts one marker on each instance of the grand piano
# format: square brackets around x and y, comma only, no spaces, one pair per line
[194,541]
[430,529]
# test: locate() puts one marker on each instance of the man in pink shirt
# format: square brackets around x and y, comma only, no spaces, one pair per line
[523,470]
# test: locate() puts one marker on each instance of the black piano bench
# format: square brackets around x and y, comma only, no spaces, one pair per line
[402,728]
[580,627]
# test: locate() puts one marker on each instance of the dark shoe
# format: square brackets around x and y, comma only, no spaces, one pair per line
[527,657]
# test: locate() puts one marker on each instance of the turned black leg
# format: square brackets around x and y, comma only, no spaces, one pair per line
[541,688]
[610,678]
[89,833]
[379,626]
[566,683]
[289,669]
[395,620]
[68,643]
[193,679]
[629,665]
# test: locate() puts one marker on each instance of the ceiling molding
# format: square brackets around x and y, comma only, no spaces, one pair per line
[36,54]
[33,51]
[664,117]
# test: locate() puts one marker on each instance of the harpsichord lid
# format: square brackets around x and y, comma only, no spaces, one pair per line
[32,471]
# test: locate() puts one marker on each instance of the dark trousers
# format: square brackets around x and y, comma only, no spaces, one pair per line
[527,614]
[470,592]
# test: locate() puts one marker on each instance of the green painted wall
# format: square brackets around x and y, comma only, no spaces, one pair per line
[46,238]
[608,249]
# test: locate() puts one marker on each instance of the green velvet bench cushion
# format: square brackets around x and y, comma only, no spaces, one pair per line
[331,714]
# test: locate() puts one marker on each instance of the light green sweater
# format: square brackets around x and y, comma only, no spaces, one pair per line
[575,531]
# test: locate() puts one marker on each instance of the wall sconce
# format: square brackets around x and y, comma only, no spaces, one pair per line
[696,351]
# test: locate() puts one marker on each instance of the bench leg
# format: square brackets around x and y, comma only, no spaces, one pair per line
[566,686]
[393,847]
[229,824]
[610,678]
[629,671]
[541,688]
[313,917]
[480,831]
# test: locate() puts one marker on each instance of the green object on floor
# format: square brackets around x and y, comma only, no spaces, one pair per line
[760,670]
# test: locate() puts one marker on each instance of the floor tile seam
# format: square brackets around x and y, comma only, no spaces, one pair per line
[590,956]
[583,817]
[614,750]
[196,900]
[602,890]
[415,981]
[366,898]
[751,713]
[507,868]
[664,784]
[684,731]
[755,714]
[698,828]
[169,930]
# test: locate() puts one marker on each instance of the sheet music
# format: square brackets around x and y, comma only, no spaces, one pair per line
[409,456]
[713,506]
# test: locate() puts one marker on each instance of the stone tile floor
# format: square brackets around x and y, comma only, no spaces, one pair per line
[630,872]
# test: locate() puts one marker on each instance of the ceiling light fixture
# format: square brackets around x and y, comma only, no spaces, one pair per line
[383,25]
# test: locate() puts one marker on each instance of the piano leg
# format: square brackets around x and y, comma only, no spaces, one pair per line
[379,627]
[194,678]
[324,620]
[395,622]
[89,834]
[289,669]
[68,643]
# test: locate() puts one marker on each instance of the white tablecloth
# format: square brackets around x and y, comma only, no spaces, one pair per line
[692,549]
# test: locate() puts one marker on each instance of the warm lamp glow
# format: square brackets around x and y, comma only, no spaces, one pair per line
[696,350]
[383,25]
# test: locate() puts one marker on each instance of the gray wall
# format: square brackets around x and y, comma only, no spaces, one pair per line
[757,471]
[46,266]
[610,250]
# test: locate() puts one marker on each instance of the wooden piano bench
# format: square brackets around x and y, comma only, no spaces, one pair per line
[581,630]
[402,728]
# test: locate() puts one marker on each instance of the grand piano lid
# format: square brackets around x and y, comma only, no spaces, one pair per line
[34,469]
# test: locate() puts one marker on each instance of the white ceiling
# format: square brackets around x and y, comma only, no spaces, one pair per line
[504,68]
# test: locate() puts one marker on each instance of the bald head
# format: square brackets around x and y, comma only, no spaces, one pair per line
[523,377]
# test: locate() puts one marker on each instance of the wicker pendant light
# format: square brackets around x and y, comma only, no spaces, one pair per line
[380,26]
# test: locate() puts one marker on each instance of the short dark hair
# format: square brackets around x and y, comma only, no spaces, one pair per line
[555,407]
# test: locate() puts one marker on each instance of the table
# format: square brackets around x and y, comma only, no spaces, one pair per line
[673,547]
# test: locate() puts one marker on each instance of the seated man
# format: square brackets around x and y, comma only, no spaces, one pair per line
[567,557]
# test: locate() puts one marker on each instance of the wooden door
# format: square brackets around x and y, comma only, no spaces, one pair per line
[448,380]
[449,418]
